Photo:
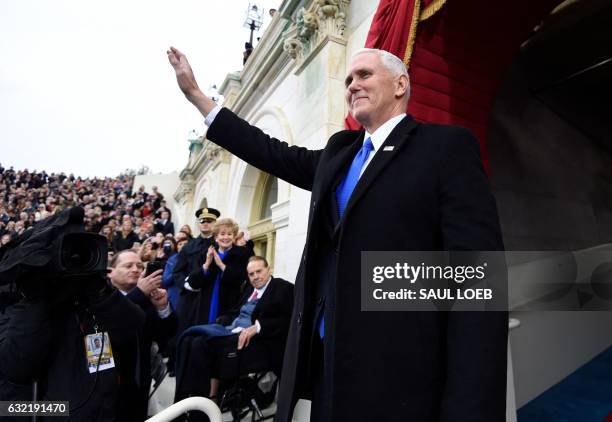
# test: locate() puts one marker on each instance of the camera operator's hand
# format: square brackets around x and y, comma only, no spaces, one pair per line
[149,283]
[159,299]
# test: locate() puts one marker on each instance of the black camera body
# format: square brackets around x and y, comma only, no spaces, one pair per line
[79,253]
[56,259]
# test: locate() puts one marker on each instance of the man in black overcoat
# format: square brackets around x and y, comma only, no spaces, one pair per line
[420,187]
[159,326]
[164,224]
[190,259]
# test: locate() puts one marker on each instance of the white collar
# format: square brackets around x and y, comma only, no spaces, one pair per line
[261,290]
[381,134]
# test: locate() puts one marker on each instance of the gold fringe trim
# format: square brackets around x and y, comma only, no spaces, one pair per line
[431,10]
[412,33]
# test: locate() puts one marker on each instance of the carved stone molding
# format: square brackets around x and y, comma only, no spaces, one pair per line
[292,44]
[320,21]
[280,214]
[211,151]
[332,14]
[261,227]
[185,190]
[209,155]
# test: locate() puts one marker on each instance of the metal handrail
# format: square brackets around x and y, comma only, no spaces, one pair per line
[192,403]
[513,323]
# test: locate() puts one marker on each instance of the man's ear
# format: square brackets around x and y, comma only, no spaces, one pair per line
[401,86]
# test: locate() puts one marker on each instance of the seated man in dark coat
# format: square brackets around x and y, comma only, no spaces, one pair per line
[256,329]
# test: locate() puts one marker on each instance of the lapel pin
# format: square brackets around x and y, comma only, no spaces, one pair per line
[388,148]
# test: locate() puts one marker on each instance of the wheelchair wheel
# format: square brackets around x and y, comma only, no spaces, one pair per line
[246,395]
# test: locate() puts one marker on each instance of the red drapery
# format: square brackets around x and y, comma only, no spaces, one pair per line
[457,52]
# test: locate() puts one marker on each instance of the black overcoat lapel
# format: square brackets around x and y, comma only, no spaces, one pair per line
[396,140]
[339,160]
[266,297]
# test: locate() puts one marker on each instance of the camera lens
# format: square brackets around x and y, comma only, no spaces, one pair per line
[81,252]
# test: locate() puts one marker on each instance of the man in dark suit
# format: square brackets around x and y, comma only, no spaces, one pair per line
[164,224]
[126,238]
[189,260]
[160,324]
[257,328]
[396,186]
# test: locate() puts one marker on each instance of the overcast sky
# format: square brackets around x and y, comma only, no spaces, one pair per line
[86,87]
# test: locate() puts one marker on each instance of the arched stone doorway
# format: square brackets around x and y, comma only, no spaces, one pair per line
[260,226]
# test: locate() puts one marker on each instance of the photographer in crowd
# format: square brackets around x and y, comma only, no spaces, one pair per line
[160,324]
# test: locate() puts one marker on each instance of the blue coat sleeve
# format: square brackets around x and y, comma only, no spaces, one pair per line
[167,277]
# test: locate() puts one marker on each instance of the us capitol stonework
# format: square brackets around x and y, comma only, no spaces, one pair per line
[292,87]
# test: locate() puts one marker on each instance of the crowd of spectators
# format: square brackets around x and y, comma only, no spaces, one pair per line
[139,232]
[125,216]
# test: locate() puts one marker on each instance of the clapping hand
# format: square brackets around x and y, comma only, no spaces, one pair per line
[218,260]
[210,254]
[213,255]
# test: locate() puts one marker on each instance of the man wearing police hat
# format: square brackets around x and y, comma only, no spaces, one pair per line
[190,258]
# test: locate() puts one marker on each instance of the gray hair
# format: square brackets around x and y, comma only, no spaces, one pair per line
[394,64]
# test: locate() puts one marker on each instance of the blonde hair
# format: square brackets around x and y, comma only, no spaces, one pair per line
[225,222]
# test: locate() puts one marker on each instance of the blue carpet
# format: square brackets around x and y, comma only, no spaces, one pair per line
[583,396]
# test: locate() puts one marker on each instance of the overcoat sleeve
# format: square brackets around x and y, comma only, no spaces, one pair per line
[276,324]
[180,270]
[476,341]
[295,165]
[25,336]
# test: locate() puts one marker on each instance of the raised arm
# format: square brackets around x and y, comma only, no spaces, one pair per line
[295,165]
[187,82]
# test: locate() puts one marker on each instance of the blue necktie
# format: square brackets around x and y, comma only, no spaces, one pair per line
[346,188]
